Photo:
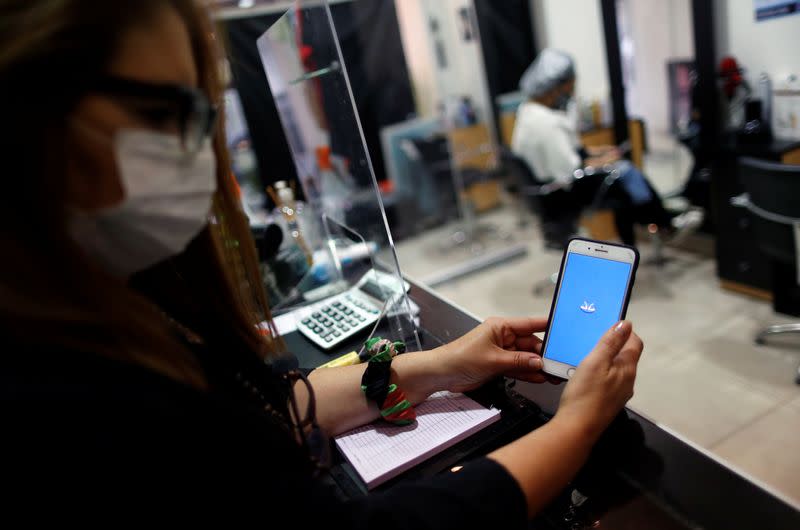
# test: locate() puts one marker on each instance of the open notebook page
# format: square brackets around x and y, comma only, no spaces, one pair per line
[381,451]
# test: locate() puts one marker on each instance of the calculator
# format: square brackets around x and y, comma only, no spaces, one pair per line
[338,318]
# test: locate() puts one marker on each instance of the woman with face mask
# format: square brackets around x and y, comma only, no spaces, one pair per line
[135,375]
[546,138]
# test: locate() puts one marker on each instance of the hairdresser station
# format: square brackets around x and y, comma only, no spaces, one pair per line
[345,284]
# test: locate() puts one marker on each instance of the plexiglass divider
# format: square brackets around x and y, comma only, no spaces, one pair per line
[343,219]
[463,226]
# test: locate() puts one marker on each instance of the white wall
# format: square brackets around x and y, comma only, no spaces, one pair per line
[464,73]
[653,46]
[576,26]
[417,49]
[769,46]
[682,24]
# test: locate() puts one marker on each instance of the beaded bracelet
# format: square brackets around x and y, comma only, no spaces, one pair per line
[391,400]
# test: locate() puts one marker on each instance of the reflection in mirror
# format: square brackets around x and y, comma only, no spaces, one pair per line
[659,76]
[445,161]
[576,28]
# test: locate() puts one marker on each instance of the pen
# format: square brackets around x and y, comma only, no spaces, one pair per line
[349,359]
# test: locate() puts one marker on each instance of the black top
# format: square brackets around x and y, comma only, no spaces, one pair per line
[92,434]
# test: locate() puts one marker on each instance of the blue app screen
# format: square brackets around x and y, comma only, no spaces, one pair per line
[589,302]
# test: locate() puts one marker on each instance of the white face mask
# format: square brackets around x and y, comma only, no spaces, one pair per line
[167,202]
[246,161]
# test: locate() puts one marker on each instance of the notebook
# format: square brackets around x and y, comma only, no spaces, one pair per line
[381,451]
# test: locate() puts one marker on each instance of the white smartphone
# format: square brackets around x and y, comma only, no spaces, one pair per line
[593,290]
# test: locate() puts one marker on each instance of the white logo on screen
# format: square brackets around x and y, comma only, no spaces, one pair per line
[587,307]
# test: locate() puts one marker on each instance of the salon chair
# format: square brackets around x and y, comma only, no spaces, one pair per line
[558,216]
[436,161]
[772,195]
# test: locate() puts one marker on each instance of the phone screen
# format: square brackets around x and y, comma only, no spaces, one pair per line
[590,299]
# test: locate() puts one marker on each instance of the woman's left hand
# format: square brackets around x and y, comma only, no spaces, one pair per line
[499,346]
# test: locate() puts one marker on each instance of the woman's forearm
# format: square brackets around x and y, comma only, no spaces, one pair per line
[598,150]
[545,460]
[542,462]
[342,406]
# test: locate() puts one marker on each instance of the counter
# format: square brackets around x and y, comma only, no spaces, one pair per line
[640,475]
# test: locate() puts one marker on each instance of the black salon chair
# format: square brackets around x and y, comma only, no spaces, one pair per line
[773,198]
[557,214]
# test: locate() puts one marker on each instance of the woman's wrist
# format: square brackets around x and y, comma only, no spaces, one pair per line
[581,430]
[421,374]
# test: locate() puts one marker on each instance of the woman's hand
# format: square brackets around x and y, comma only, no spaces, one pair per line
[603,382]
[499,346]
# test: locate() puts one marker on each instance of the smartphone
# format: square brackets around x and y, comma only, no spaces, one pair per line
[594,286]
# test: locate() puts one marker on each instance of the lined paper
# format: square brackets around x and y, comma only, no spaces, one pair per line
[381,451]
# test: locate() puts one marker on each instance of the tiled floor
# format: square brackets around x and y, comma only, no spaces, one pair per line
[701,374]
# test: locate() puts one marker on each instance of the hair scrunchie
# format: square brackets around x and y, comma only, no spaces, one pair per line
[391,400]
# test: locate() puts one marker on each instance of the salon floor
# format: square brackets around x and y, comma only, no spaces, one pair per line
[701,375]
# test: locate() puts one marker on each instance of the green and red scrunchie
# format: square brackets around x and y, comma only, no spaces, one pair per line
[375,383]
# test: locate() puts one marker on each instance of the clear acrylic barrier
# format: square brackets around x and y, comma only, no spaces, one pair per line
[353,246]
[456,219]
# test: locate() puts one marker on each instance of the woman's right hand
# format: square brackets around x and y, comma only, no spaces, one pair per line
[603,382]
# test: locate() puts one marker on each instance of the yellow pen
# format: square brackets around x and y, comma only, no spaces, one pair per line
[347,359]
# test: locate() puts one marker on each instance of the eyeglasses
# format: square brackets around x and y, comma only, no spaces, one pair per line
[166,106]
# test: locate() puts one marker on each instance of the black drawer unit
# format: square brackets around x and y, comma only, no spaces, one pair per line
[738,258]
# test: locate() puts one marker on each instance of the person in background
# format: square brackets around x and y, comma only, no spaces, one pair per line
[136,380]
[546,138]
[735,91]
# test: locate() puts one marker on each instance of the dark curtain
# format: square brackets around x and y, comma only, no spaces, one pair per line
[507,40]
[266,133]
[369,36]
